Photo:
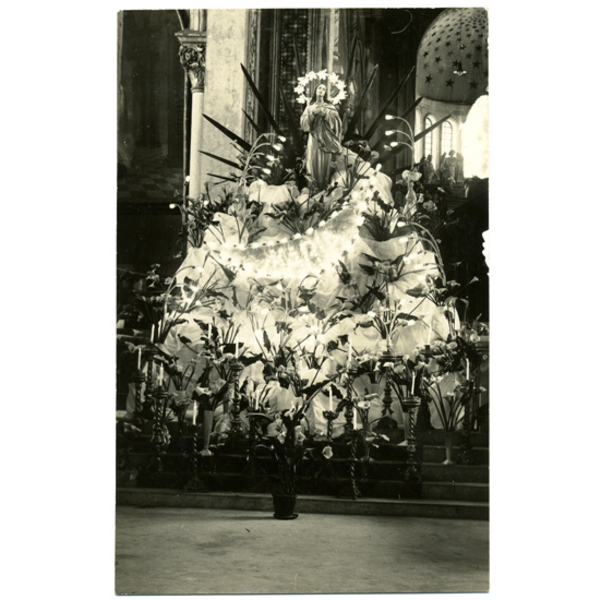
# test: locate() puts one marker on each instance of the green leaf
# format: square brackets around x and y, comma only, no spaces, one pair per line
[369,270]
[417,292]
[298,62]
[221,177]
[358,111]
[233,136]
[223,160]
[297,138]
[372,258]
[351,59]
[420,135]
[404,115]
[344,274]
[423,133]
[384,110]
[377,293]
[267,341]
[254,125]
[261,101]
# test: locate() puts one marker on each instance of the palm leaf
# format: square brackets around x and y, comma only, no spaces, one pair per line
[423,133]
[221,177]
[357,112]
[233,136]
[261,101]
[290,119]
[351,59]
[387,105]
[297,56]
[254,125]
[223,160]
[404,115]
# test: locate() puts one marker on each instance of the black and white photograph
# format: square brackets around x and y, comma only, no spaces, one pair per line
[266,266]
[303,322]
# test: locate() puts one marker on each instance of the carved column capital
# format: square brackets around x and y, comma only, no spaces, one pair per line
[192,55]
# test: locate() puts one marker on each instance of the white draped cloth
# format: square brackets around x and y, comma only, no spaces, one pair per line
[310,261]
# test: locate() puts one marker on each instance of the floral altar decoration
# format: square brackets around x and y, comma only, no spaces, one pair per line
[294,304]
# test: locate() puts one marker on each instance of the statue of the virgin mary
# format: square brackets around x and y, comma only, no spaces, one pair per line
[323,124]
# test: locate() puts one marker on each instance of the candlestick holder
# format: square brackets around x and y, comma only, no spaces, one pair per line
[195,484]
[330,416]
[412,473]
[149,352]
[257,422]
[466,456]
[350,489]
[351,436]
[236,368]
[387,421]
[349,416]
[139,379]
[160,438]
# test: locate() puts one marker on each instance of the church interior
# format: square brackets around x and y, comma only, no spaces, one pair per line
[302,296]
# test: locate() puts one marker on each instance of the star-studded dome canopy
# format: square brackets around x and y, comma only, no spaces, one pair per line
[452,62]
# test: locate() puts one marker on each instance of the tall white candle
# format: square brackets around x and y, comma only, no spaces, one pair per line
[194,412]
[139,362]
[152,333]
[161,374]
[330,399]
[354,411]
[412,388]
[467,369]
[237,350]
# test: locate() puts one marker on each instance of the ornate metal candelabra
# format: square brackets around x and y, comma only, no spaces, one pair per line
[236,368]
[387,421]
[195,484]
[257,422]
[160,434]
[351,436]
[139,379]
[466,456]
[412,474]
[330,416]
[352,490]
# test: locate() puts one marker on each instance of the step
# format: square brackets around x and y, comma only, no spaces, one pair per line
[437,454]
[330,485]
[238,463]
[455,473]
[437,437]
[444,490]
[142,444]
[305,504]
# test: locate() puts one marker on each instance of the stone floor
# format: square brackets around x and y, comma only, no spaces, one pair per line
[189,551]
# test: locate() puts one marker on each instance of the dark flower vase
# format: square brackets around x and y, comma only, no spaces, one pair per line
[284,507]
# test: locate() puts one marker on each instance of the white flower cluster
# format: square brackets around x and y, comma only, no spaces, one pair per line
[337,86]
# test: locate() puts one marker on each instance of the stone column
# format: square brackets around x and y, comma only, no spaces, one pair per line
[192,55]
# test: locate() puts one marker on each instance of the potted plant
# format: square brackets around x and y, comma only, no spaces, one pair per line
[286,442]
[451,365]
